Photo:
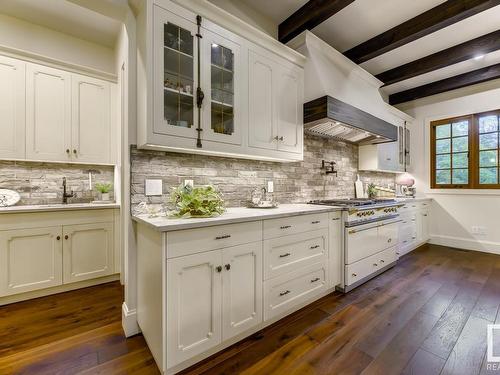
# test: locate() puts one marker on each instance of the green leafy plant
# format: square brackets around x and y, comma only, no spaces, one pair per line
[202,201]
[103,188]
[371,190]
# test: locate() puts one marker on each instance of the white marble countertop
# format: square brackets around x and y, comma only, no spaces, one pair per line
[417,199]
[57,207]
[232,215]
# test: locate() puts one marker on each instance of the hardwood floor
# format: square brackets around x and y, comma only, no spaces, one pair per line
[428,315]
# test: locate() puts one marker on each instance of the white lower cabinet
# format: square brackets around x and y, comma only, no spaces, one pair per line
[38,252]
[414,226]
[88,251]
[30,259]
[335,248]
[212,296]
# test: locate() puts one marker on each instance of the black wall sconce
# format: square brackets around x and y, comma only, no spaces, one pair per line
[329,167]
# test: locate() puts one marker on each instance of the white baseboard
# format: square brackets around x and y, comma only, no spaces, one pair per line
[129,321]
[466,243]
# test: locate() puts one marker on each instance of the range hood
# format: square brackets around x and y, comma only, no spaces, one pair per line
[332,118]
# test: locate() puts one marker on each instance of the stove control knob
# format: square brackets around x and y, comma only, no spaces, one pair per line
[358,214]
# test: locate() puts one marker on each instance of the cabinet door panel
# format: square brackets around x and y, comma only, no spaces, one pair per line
[30,259]
[289,101]
[222,83]
[423,228]
[262,126]
[48,113]
[242,288]
[175,58]
[88,251]
[335,247]
[193,305]
[12,108]
[91,121]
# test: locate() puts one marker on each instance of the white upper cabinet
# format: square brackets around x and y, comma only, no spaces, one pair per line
[252,96]
[91,120]
[12,108]
[175,75]
[48,113]
[223,75]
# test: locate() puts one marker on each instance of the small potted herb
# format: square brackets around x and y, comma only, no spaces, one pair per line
[200,201]
[104,189]
[372,191]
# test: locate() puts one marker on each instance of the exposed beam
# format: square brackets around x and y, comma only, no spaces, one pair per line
[434,19]
[308,17]
[453,55]
[466,79]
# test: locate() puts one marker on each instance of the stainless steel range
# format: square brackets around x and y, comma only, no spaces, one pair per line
[370,238]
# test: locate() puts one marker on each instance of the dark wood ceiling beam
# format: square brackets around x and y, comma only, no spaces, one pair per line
[462,80]
[308,17]
[453,55]
[434,19]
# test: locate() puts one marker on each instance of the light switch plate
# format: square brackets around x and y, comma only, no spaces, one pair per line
[270,186]
[189,183]
[153,187]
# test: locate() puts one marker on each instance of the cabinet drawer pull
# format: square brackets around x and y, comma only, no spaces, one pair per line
[314,247]
[336,218]
[285,226]
[218,269]
[389,240]
[315,279]
[66,237]
[281,138]
[228,267]
[382,261]
[223,237]
[285,255]
[315,222]
[375,265]
[425,215]
[284,293]
[354,275]
[58,238]
[413,238]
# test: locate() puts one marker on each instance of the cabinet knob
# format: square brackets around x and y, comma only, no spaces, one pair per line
[389,240]
[58,238]
[382,261]
[276,138]
[66,237]
[67,150]
[354,275]
[74,151]
[281,138]
[228,267]
[218,268]
[375,265]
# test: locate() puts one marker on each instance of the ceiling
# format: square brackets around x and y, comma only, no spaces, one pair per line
[65,17]
[360,21]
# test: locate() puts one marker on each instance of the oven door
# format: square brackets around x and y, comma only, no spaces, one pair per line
[364,240]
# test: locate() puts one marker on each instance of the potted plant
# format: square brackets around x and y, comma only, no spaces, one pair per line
[200,201]
[104,189]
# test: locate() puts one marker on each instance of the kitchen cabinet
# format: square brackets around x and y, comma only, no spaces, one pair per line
[241,289]
[252,96]
[212,296]
[30,259]
[423,225]
[90,120]
[335,248]
[49,252]
[87,251]
[194,291]
[12,108]
[48,113]
[414,226]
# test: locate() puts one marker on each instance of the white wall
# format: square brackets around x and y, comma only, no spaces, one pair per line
[19,35]
[456,211]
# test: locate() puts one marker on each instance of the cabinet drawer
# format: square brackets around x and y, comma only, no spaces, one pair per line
[424,204]
[288,253]
[290,290]
[410,206]
[190,241]
[365,267]
[294,224]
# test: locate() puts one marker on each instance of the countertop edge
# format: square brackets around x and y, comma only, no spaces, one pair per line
[41,208]
[230,220]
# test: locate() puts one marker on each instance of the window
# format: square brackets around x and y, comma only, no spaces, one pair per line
[465,152]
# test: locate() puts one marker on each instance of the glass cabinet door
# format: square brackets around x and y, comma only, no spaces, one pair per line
[221,108]
[175,62]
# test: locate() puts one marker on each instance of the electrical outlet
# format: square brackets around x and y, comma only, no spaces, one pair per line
[153,187]
[270,186]
[189,183]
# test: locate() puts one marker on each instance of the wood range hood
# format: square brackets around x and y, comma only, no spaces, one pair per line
[329,117]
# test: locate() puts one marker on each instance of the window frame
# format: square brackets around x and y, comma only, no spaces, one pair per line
[473,152]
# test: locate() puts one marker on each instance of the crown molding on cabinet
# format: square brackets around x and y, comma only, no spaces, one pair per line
[234,24]
[58,64]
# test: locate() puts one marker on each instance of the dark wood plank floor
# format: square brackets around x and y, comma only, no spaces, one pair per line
[428,315]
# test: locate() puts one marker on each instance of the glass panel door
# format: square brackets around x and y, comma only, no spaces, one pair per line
[175,60]
[489,148]
[221,89]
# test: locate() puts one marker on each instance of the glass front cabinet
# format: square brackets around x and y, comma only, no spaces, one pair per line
[177,55]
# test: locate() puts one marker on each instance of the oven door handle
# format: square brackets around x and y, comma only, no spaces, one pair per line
[352,231]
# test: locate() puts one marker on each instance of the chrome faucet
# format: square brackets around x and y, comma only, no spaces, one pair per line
[66,195]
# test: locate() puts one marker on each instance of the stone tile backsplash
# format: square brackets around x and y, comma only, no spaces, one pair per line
[296,182]
[41,183]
